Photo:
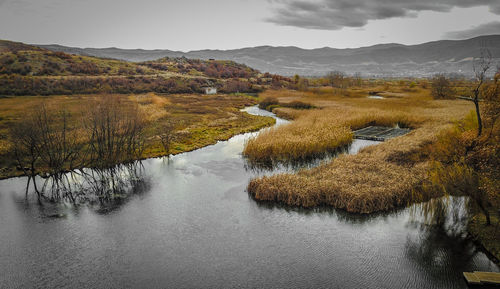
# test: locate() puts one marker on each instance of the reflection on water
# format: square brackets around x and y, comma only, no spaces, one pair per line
[296,165]
[274,167]
[105,188]
[194,226]
[442,246]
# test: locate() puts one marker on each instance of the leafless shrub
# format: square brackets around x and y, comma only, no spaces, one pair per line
[441,87]
[25,138]
[337,79]
[46,141]
[115,131]
[166,134]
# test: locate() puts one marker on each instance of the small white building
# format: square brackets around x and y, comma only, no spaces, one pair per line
[210,90]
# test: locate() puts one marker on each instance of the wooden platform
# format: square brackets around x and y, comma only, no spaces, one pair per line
[379,133]
[482,278]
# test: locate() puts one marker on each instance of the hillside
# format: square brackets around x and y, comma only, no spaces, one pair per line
[450,56]
[134,55]
[27,70]
[19,58]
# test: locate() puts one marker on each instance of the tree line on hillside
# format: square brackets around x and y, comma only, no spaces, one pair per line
[45,63]
[28,70]
[211,68]
[335,79]
[29,85]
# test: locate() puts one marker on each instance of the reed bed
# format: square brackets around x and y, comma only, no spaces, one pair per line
[297,141]
[362,183]
[379,178]
[318,132]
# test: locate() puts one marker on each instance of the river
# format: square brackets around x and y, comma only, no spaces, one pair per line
[194,226]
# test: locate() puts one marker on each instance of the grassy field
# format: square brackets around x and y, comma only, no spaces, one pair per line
[200,120]
[381,177]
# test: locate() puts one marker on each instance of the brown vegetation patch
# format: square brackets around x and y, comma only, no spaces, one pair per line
[193,120]
[361,183]
[381,177]
[316,132]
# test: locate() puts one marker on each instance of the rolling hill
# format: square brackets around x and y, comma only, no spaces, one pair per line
[31,70]
[448,56]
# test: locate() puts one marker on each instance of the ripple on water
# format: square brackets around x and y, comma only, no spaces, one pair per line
[191,230]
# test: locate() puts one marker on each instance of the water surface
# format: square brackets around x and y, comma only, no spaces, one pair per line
[376,97]
[194,226]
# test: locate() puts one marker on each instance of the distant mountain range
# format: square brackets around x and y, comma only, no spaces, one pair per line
[383,60]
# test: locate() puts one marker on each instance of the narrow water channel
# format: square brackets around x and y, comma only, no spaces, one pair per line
[193,226]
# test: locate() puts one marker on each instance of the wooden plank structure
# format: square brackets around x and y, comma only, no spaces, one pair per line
[471,278]
[379,133]
[482,278]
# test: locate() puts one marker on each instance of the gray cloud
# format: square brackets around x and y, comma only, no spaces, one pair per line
[483,29]
[336,14]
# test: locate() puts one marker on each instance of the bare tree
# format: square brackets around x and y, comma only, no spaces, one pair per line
[44,142]
[441,87]
[480,66]
[59,147]
[48,141]
[115,131]
[485,147]
[166,134]
[59,143]
[303,84]
[25,139]
[491,104]
[336,79]
[358,78]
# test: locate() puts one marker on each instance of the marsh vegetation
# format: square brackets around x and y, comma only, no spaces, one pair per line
[61,133]
[105,115]
[407,169]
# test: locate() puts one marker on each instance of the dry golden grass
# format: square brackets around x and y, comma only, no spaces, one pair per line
[297,141]
[317,131]
[362,183]
[153,104]
[199,120]
[381,177]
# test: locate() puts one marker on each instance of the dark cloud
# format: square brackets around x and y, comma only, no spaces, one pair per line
[483,29]
[495,9]
[336,14]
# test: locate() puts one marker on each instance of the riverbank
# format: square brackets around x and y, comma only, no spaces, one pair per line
[197,120]
[486,236]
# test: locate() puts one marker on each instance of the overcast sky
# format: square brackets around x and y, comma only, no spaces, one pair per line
[226,24]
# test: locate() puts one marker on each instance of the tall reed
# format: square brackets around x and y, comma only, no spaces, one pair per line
[379,178]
